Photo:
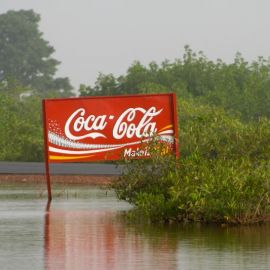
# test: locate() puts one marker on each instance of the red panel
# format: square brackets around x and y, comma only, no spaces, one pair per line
[108,128]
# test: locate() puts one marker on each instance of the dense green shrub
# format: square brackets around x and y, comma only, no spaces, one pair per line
[222,175]
[21,135]
[222,191]
[212,133]
[21,128]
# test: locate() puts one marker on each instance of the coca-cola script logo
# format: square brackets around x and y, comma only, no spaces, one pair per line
[92,125]
[81,125]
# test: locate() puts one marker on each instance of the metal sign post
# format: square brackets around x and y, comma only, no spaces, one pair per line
[46,155]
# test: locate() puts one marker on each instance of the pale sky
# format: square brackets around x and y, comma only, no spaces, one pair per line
[92,36]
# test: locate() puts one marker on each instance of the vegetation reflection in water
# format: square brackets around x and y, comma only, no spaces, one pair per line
[89,230]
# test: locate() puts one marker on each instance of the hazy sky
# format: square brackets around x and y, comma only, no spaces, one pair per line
[92,36]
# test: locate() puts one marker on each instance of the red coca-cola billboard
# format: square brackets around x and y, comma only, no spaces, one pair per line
[108,128]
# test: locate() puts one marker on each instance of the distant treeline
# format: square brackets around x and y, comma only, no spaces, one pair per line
[241,88]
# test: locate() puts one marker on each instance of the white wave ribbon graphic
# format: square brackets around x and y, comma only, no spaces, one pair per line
[78,152]
[83,148]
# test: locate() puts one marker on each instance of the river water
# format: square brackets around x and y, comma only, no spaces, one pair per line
[84,229]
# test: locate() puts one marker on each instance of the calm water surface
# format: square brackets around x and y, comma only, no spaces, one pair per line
[84,229]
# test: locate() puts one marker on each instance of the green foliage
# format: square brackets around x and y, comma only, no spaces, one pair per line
[240,87]
[222,175]
[226,191]
[21,132]
[21,135]
[221,191]
[212,133]
[25,56]
[104,86]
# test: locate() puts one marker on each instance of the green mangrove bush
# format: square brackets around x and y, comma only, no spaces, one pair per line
[222,175]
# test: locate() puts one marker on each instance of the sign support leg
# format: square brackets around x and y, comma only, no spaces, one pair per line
[48,178]
[47,168]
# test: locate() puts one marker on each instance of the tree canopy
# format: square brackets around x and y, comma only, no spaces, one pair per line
[25,56]
[240,87]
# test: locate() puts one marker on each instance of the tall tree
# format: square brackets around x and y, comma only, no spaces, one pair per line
[25,56]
